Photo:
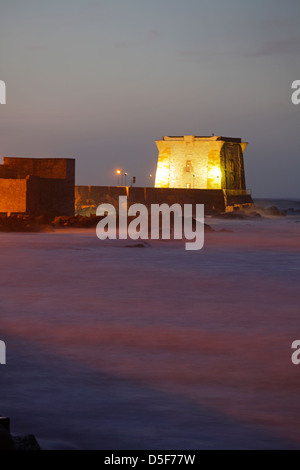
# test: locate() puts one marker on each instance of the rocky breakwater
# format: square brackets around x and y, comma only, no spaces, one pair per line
[9,442]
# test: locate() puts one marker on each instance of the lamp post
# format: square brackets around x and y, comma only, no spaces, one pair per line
[118,173]
[194,181]
[125,174]
[150,179]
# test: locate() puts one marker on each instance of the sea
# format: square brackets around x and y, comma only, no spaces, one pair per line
[120,345]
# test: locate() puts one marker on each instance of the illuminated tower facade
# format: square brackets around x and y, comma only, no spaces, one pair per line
[199,162]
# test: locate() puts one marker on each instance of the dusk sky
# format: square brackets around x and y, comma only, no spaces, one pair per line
[101,80]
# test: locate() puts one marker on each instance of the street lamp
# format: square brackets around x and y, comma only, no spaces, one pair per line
[125,179]
[118,173]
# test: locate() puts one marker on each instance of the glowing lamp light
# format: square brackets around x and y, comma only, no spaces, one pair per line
[162,178]
[214,177]
[215,173]
[119,172]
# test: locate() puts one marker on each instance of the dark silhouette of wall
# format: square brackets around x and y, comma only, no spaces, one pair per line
[37,186]
[88,198]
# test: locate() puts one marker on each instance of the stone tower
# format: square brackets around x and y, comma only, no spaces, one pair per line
[200,163]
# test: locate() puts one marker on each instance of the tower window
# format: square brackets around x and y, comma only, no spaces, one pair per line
[188,166]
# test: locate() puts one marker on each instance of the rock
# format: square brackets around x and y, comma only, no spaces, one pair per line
[273,210]
[6,442]
[28,442]
[233,215]
[254,215]
[208,228]
[138,245]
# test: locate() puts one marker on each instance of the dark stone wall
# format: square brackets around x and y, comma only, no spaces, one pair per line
[49,197]
[8,173]
[232,167]
[237,199]
[56,168]
[88,198]
[36,196]
[37,186]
